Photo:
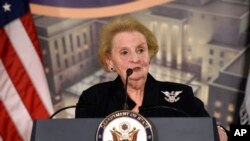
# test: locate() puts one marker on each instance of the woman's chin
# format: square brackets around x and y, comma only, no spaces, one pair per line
[138,77]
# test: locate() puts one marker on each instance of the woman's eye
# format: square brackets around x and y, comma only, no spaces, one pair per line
[141,50]
[124,52]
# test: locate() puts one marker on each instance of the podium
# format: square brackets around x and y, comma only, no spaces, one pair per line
[164,129]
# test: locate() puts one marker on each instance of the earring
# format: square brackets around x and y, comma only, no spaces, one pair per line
[112,69]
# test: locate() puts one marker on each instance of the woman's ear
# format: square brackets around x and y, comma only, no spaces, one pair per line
[109,62]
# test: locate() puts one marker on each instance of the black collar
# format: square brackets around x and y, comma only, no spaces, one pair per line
[151,91]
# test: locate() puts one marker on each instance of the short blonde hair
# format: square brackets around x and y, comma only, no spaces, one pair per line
[123,24]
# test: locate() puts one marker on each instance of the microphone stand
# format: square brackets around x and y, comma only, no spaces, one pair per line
[128,73]
[62,109]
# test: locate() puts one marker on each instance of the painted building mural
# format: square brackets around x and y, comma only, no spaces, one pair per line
[202,43]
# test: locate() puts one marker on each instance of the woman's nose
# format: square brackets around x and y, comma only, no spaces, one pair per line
[134,57]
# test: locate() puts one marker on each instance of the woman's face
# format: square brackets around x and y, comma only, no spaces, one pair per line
[130,50]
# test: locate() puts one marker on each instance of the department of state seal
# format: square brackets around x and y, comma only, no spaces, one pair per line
[124,125]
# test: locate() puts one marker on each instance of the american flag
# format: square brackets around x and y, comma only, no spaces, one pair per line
[24,94]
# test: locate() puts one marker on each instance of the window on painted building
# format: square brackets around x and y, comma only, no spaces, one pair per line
[211,52]
[78,41]
[202,16]
[222,54]
[221,63]
[231,108]
[210,61]
[209,78]
[189,48]
[73,59]
[58,60]
[217,114]
[60,77]
[217,104]
[80,56]
[64,45]
[85,53]
[84,38]
[229,119]
[88,63]
[71,42]
[56,45]
[66,63]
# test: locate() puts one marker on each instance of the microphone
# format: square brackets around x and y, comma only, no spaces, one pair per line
[128,73]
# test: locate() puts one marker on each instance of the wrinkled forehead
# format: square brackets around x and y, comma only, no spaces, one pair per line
[128,37]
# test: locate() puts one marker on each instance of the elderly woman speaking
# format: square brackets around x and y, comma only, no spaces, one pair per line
[127,45]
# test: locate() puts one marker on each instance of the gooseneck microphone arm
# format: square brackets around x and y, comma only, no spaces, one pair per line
[128,73]
[62,109]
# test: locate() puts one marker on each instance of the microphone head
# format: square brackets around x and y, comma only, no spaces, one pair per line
[129,71]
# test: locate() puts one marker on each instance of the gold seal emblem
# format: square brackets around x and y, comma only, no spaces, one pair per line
[124,126]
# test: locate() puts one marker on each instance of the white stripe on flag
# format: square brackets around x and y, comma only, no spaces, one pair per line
[29,57]
[13,104]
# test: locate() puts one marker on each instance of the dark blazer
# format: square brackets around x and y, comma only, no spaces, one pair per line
[102,99]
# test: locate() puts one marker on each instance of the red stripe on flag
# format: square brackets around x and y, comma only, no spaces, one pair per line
[29,26]
[7,129]
[20,79]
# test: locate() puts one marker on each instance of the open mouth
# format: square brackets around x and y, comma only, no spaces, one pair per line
[136,69]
